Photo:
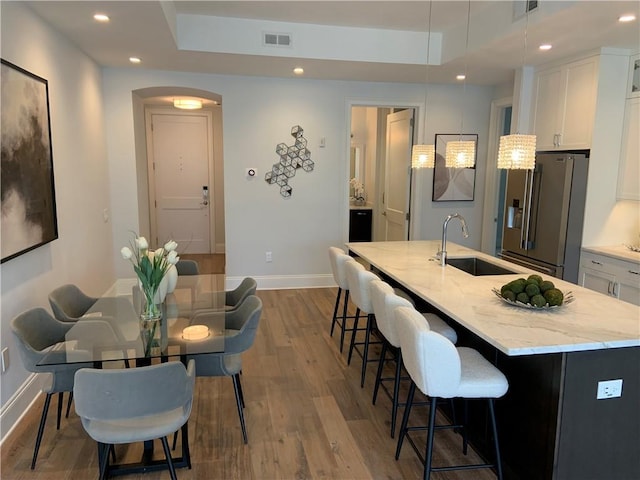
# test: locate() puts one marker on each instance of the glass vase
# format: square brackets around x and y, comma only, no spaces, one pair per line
[150,324]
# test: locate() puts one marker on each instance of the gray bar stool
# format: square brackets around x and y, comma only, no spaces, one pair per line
[337,257]
[385,301]
[359,279]
[440,370]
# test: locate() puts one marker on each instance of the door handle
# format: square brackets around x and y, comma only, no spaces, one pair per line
[384,213]
[205,195]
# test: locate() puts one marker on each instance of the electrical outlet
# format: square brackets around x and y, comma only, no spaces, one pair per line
[5,359]
[105,215]
[267,257]
[609,389]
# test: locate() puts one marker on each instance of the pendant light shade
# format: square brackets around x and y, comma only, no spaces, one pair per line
[517,152]
[460,154]
[423,156]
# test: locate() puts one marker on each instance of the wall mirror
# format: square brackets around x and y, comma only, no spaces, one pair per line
[356,168]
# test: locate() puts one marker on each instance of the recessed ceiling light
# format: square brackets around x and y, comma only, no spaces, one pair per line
[460,77]
[134,60]
[298,70]
[101,17]
[545,46]
[627,18]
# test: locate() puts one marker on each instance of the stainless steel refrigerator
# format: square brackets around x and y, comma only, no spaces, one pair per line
[544,212]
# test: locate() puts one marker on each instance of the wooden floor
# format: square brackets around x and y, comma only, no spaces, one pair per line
[306,415]
[207,262]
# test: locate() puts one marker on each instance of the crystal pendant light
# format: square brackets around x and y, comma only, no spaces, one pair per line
[424,156]
[461,153]
[518,151]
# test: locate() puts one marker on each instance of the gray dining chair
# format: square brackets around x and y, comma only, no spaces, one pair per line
[187,267]
[241,326]
[36,332]
[69,303]
[233,298]
[135,405]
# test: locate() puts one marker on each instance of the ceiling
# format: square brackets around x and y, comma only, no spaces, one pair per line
[153,30]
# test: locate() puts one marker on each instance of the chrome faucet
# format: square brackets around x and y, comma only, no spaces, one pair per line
[443,248]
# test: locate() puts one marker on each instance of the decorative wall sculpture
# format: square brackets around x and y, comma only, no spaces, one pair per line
[291,158]
[27,193]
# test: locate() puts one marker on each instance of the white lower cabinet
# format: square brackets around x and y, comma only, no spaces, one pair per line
[611,276]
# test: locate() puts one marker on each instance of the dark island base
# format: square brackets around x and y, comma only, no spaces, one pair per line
[551,425]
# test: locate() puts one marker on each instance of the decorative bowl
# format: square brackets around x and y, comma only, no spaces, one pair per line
[568,298]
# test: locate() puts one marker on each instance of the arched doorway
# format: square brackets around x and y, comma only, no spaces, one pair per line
[156,104]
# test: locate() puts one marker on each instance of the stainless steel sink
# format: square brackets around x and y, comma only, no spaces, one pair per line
[476,266]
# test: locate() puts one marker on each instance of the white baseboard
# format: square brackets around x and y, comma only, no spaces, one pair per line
[276,282]
[19,404]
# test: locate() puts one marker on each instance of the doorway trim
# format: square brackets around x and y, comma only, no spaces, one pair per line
[414,223]
[491,185]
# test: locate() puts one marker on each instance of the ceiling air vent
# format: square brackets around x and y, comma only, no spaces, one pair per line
[522,7]
[277,39]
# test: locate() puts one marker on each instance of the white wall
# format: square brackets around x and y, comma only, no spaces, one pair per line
[258,113]
[444,117]
[83,252]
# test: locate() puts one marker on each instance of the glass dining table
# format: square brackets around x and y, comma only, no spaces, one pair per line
[111,330]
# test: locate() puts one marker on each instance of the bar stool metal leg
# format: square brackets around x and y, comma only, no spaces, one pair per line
[335,311]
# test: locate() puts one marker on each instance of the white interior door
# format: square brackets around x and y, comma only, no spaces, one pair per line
[397,174]
[181,180]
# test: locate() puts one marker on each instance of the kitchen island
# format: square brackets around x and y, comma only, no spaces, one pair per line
[551,424]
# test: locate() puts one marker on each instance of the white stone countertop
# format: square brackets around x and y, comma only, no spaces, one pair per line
[593,321]
[620,252]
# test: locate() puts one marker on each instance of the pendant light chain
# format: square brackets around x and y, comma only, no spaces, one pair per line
[464,82]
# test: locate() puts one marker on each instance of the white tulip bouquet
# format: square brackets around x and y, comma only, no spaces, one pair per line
[150,267]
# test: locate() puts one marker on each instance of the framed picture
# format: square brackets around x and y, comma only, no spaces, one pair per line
[453,184]
[28,206]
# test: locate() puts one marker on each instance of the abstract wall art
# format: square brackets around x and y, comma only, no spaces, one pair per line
[291,159]
[452,184]
[27,203]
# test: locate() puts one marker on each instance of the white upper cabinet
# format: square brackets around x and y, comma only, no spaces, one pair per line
[629,170]
[564,105]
